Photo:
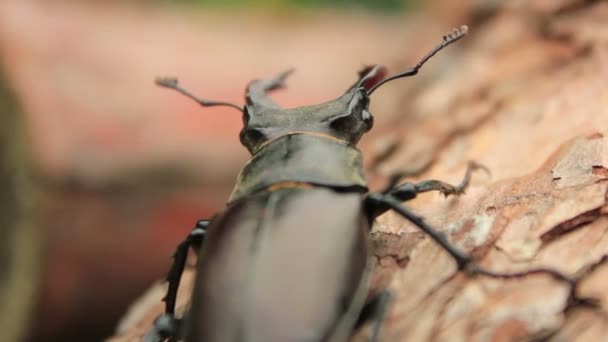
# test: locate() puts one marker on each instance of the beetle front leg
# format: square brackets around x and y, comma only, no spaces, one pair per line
[407,191]
[167,326]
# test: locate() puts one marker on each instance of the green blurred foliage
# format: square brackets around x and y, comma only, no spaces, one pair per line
[375,5]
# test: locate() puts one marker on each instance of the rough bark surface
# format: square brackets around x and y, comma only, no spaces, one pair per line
[529,100]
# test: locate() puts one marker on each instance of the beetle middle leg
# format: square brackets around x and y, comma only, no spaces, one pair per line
[379,203]
[167,325]
[463,260]
[193,240]
[393,195]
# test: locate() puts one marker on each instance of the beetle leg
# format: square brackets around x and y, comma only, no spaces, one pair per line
[378,202]
[167,325]
[166,328]
[194,239]
[407,191]
[464,261]
[375,310]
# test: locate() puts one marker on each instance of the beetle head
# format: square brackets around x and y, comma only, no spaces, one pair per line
[346,118]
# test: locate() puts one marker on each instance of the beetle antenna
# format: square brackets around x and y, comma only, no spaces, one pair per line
[171,83]
[448,39]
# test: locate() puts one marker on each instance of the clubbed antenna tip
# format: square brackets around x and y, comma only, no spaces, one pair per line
[167,82]
[456,33]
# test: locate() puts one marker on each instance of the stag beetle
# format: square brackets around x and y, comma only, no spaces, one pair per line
[289,258]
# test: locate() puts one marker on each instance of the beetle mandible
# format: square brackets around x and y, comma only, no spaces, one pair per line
[289,258]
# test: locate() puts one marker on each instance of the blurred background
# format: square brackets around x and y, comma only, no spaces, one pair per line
[103,173]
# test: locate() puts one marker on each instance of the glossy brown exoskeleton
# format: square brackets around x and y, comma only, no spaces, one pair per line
[289,258]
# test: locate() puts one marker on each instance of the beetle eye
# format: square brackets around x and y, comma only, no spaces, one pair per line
[254,135]
[342,123]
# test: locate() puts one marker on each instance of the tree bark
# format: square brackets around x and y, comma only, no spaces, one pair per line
[526,94]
